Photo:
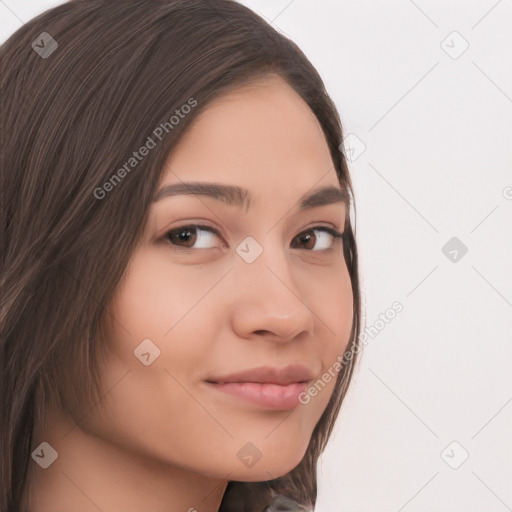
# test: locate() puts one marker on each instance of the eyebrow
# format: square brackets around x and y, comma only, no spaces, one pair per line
[233,195]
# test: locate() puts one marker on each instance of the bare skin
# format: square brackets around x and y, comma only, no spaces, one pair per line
[163,439]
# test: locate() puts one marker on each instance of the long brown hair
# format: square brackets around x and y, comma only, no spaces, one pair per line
[72,116]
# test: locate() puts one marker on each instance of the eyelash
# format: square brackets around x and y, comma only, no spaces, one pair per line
[334,233]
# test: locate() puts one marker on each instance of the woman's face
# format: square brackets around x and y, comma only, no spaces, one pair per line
[255,287]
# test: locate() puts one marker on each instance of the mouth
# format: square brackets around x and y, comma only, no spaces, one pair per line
[270,396]
[271,388]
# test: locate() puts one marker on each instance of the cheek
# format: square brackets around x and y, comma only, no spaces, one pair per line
[332,304]
[338,311]
[158,316]
[153,297]
[334,313]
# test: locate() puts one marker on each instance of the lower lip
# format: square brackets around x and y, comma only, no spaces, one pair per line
[271,396]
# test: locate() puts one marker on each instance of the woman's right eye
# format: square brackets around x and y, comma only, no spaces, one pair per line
[193,236]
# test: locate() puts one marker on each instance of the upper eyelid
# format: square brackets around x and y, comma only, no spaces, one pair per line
[216,231]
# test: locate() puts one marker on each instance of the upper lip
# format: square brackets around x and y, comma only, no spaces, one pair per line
[269,375]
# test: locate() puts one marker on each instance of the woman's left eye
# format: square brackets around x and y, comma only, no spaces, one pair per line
[327,239]
[196,236]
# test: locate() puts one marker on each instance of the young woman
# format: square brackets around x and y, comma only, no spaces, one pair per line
[179,270]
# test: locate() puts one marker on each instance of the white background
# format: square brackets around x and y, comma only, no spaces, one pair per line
[437,164]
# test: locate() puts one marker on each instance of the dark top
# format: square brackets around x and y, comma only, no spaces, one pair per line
[284,504]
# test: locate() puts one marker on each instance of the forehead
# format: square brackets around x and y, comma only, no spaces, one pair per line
[262,136]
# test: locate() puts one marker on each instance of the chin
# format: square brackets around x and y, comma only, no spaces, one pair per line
[261,473]
[269,467]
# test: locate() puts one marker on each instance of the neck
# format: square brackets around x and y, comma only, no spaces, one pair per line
[93,474]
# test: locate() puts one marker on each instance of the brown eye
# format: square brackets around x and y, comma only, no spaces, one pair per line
[309,239]
[185,236]
[318,239]
[193,237]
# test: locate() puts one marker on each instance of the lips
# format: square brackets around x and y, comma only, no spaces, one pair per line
[272,388]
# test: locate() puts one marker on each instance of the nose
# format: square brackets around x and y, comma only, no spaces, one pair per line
[268,301]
